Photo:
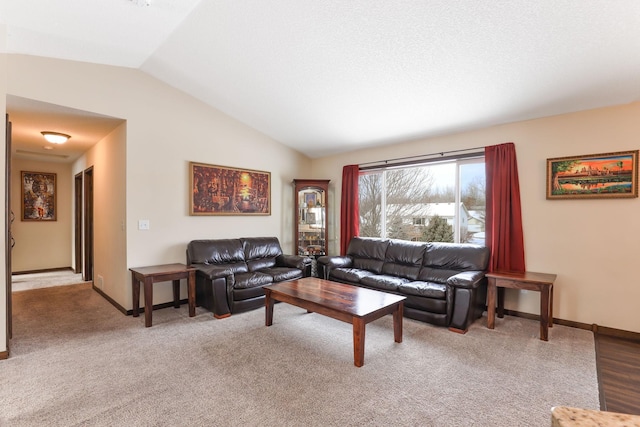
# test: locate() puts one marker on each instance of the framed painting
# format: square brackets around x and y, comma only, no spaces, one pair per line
[310,199]
[594,176]
[222,190]
[39,194]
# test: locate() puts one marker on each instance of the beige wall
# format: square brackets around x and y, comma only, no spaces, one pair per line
[107,159]
[165,130]
[41,245]
[3,272]
[590,244]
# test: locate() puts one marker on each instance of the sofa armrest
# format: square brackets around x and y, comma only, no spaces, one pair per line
[213,272]
[293,261]
[466,279]
[335,261]
[326,263]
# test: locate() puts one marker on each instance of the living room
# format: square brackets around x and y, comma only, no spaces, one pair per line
[141,172]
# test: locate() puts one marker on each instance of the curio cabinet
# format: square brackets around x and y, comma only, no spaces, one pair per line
[310,234]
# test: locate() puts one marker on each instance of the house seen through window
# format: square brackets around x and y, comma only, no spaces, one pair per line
[432,202]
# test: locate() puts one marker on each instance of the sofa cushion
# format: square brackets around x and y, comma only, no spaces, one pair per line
[438,275]
[403,259]
[353,275]
[220,251]
[261,252]
[424,289]
[383,282]
[455,256]
[281,274]
[247,293]
[368,253]
[214,271]
[431,305]
[251,280]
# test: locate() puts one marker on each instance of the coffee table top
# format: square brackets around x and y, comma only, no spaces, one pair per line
[345,298]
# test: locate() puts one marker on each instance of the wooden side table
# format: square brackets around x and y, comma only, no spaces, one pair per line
[530,281]
[162,273]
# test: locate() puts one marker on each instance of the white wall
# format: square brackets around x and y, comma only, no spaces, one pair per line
[40,245]
[590,244]
[165,130]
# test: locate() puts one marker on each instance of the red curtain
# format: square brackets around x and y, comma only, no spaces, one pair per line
[349,209]
[503,228]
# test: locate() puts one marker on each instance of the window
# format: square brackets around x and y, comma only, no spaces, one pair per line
[419,221]
[435,201]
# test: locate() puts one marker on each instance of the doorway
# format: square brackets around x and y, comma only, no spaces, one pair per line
[83,224]
[77,223]
[8,220]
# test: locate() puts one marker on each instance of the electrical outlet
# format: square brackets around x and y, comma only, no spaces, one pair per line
[143,224]
[100,282]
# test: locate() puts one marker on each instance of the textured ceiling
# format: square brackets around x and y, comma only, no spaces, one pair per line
[335,75]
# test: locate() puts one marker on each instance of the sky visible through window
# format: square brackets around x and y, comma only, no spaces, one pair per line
[445,174]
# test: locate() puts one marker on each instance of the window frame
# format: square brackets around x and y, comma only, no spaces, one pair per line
[459,161]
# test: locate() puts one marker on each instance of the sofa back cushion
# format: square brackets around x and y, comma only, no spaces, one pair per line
[403,259]
[443,260]
[261,252]
[220,251]
[368,253]
[456,256]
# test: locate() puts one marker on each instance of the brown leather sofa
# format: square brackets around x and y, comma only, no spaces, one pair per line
[444,283]
[230,273]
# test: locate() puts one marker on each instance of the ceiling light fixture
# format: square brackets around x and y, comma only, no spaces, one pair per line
[55,137]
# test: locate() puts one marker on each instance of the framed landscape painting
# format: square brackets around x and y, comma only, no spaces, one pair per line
[222,190]
[607,175]
[38,196]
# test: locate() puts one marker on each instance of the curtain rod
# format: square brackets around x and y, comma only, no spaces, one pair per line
[405,159]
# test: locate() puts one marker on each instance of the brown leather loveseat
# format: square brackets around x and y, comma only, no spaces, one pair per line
[444,283]
[230,273]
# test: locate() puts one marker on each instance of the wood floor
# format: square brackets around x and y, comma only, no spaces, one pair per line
[618,362]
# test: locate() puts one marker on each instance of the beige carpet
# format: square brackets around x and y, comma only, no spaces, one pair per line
[76,360]
[23,282]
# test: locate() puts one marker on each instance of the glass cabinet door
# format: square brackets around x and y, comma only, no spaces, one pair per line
[311,217]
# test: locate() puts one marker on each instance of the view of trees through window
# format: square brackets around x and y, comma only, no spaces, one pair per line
[434,202]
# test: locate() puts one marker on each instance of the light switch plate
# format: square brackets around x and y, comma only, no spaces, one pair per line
[143,224]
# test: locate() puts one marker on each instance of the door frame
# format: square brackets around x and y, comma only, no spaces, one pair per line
[77,222]
[8,237]
[88,224]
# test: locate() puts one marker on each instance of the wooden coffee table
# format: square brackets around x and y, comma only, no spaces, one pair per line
[348,303]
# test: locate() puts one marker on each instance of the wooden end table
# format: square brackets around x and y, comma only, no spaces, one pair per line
[348,303]
[530,281]
[162,273]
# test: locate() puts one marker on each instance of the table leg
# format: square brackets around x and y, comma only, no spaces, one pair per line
[176,293]
[551,306]
[268,304]
[544,313]
[191,293]
[358,341]
[397,322]
[500,291]
[491,303]
[148,301]
[135,287]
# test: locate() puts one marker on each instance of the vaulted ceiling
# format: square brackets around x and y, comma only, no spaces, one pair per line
[326,76]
